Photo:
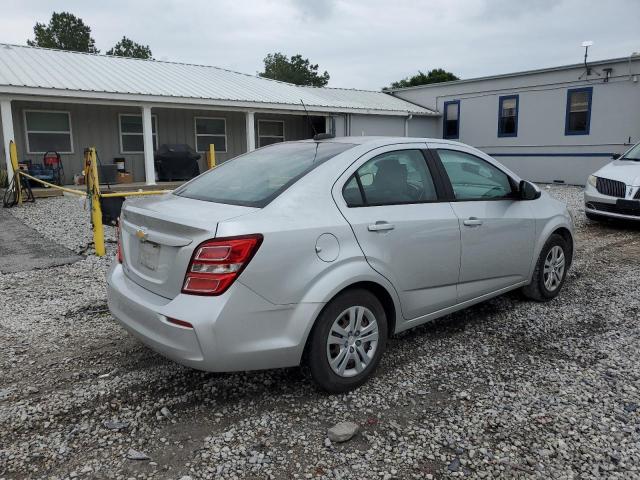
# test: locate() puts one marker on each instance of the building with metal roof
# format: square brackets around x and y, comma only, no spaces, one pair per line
[66,101]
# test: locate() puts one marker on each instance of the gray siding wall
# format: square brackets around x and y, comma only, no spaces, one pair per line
[385,125]
[97,125]
[296,127]
[377,125]
[423,127]
[542,151]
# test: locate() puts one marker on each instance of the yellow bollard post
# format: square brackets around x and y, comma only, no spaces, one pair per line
[96,210]
[17,181]
[212,156]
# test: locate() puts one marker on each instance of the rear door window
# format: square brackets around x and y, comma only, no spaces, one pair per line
[256,178]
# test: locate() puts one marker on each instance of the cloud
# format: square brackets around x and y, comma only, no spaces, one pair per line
[361,43]
[314,9]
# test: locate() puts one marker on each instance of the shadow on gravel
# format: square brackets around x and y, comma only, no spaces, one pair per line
[23,249]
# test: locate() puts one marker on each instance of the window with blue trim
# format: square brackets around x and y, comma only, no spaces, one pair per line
[451,121]
[508,116]
[578,116]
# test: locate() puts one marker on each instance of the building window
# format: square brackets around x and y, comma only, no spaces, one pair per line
[508,116]
[131,136]
[48,131]
[578,117]
[451,123]
[270,131]
[211,131]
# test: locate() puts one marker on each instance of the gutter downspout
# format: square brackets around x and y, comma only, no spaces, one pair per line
[406,124]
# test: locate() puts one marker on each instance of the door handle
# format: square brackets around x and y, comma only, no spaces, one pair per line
[472,222]
[381,226]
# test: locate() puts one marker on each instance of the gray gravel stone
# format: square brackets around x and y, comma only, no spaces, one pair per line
[551,389]
[343,431]
[136,455]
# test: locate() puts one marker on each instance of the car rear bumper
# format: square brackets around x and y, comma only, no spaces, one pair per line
[606,206]
[236,331]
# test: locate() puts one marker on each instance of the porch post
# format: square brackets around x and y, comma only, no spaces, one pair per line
[147,136]
[328,125]
[251,131]
[7,132]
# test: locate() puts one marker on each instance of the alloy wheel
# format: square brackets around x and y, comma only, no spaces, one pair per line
[554,265]
[352,341]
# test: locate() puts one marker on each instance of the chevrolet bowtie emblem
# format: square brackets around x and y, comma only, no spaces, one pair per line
[141,234]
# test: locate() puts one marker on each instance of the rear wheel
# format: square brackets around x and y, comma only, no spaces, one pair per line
[347,341]
[551,270]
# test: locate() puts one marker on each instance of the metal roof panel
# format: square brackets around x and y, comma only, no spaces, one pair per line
[34,68]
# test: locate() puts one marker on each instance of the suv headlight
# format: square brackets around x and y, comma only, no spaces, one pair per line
[593,180]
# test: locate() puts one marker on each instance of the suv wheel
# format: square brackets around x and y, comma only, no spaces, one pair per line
[551,270]
[347,341]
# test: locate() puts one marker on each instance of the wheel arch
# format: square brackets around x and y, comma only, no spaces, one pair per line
[391,309]
[566,234]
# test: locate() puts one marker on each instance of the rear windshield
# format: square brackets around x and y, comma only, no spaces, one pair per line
[256,178]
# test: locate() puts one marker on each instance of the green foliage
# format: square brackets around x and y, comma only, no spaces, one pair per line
[65,32]
[128,48]
[436,75]
[296,70]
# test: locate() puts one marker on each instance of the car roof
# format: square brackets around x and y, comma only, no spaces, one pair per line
[381,140]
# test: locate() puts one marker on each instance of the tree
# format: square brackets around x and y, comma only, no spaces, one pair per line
[298,70]
[65,32]
[128,48]
[436,75]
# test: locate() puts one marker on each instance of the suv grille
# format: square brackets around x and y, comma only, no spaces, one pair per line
[612,188]
[637,195]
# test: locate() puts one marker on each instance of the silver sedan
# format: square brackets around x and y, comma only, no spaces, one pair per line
[315,252]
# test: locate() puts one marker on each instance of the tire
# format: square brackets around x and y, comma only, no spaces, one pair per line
[540,289]
[336,316]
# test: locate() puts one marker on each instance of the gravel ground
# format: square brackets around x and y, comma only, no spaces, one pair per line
[508,388]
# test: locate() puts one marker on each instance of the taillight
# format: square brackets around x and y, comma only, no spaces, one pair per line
[119,254]
[216,264]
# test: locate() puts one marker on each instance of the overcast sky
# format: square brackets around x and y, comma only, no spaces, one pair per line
[361,43]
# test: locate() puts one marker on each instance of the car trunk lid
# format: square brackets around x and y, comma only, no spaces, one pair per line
[159,235]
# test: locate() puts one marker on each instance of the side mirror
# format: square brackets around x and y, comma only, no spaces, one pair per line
[528,191]
[615,156]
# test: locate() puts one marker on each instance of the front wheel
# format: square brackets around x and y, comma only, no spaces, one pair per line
[347,341]
[551,270]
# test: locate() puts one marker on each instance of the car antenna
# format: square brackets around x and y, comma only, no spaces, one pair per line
[316,135]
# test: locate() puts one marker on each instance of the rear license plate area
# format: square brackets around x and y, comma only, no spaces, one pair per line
[628,205]
[148,254]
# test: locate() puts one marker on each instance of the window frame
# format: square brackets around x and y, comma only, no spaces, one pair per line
[154,119]
[195,131]
[431,166]
[266,120]
[501,100]
[570,91]
[27,131]
[444,120]
[451,196]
